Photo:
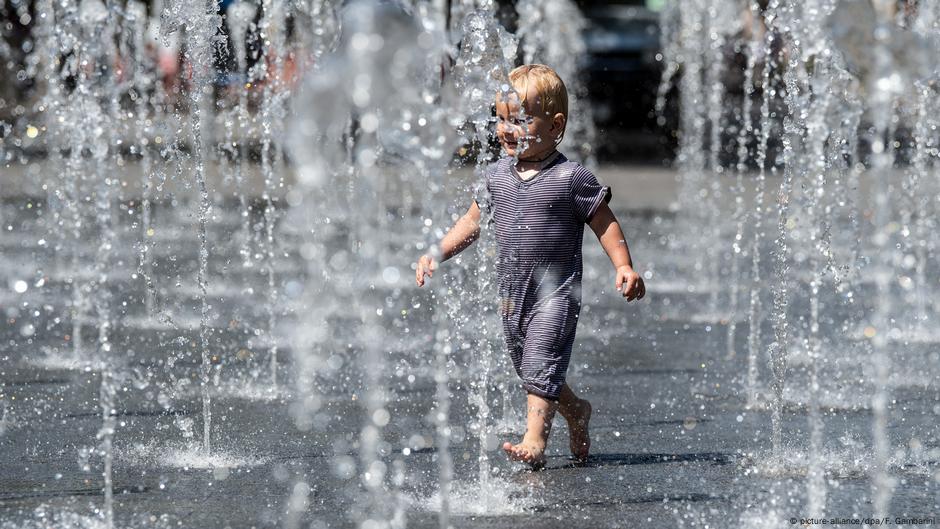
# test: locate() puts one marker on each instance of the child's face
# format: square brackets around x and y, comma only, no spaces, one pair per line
[528,136]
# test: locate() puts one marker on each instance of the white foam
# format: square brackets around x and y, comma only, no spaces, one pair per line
[68,360]
[45,517]
[853,460]
[160,323]
[838,394]
[184,456]
[240,388]
[497,497]
[248,389]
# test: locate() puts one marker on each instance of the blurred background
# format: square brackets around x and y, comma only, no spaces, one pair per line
[622,70]
[179,212]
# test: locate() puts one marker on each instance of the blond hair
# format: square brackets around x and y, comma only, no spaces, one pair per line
[551,89]
[553,96]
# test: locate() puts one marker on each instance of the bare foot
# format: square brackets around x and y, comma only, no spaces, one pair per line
[578,421]
[529,451]
[538,425]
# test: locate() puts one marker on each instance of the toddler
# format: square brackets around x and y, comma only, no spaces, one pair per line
[540,202]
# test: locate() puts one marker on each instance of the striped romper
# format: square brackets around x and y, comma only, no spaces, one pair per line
[539,227]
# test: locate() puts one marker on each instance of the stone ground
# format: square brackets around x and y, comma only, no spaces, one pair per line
[674,443]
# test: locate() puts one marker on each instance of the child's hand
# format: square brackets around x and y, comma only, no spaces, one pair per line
[426,267]
[630,284]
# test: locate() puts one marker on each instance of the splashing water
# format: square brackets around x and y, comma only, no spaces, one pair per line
[155,253]
[836,69]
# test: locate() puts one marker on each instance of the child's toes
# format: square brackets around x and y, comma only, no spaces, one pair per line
[513,451]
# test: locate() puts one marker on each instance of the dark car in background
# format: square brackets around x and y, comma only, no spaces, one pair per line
[624,69]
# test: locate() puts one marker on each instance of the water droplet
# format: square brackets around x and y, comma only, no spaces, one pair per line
[390,274]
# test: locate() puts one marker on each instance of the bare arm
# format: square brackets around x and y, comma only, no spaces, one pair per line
[608,232]
[463,234]
[460,236]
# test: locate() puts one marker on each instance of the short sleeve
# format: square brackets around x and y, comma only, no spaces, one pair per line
[587,194]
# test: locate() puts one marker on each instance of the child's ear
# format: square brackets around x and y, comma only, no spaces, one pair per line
[558,125]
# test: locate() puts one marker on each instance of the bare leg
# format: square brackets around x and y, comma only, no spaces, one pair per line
[577,412]
[538,425]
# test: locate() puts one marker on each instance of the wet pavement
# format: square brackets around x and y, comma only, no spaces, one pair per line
[674,442]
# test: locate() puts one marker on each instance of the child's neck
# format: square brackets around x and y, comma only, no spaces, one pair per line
[529,168]
[536,162]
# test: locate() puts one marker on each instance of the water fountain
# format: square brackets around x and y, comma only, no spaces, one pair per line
[364,158]
[551,33]
[205,217]
[482,68]
[272,118]
[833,58]
[240,17]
